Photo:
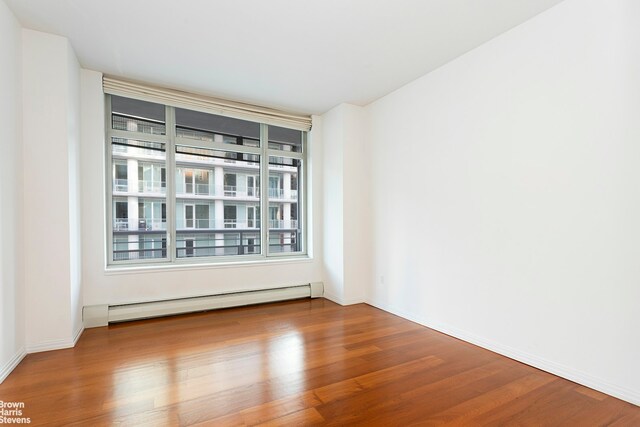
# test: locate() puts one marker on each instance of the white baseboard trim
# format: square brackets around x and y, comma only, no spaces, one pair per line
[342,301]
[55,344]
[11,364]
[580,377]
[78,334]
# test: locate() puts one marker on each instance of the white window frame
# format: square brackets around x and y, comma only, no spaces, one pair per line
[171,141]
[193,217]
[255,188]
[255,219]
[187,172]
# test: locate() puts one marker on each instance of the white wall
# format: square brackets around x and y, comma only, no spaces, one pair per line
[51,241]
[73,143]
[11,271]
[333,204]
[346,201]
[357,206]
[107,287]
[506,196]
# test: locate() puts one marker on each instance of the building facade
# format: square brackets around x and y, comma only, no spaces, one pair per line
[216,197]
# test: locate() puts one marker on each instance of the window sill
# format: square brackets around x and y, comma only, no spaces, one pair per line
[147,268]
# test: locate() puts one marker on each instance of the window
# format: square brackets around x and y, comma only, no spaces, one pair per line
[230,184]
[186,185]
[285,172]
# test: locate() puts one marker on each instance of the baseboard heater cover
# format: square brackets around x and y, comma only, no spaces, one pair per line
[101,315]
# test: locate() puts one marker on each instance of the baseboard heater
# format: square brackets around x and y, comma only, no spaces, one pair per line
[101,315]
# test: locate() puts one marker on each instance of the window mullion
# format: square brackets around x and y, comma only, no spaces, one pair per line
[170,121]
[264,189]
[109,183]
[303,182]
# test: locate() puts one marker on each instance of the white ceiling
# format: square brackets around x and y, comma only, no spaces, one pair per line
[299,55]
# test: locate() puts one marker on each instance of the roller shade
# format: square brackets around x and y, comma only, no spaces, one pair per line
[206,104]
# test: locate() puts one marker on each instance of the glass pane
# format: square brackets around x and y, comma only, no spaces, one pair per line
[209,127]
[138,200]
[285,139]
[217,206]
[137,116]
[285,228]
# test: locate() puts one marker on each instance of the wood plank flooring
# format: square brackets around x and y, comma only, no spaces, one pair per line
[306,362]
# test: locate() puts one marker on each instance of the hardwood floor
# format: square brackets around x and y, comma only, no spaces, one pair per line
[296,363]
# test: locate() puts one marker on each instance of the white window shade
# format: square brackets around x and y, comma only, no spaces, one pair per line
[205,104]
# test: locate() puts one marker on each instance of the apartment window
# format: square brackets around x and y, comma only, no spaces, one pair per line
[189,220]
[188,181]
[230,216]
[253,186]
[186,185]
[230,184]
[189,247]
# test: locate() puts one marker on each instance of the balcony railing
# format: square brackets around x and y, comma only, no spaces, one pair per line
[149,186]
[208,135]
[152,224]
[145,253]
[183,224]
[283,223]
[279,193]
[231,191]
[241,223]
[143,224]
[121,185]
[123,224]
[134,124]
[221,243]
[218,243]
[144,186]
[200,189]
[276,193]
[210,224]
[152,186]
[120,224]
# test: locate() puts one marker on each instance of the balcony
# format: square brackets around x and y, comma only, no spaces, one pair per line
[283,224]
[197,189]
[188,224]
[210,224]
[152,224]
[121,185]
[123,224]
[160,187]
[120,224]
[279,224]
[241,223]
[152,186]
[134,124]
[218,243]
[211,136]
[279,193]
[144,186]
